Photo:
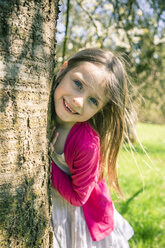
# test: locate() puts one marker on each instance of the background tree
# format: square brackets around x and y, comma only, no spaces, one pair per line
[136,28]
[27,60]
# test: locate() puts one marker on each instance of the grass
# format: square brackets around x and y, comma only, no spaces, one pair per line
[144,188]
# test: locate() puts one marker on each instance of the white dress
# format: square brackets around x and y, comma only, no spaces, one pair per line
[69,225]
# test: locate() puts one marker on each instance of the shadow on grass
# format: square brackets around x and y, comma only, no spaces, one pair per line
[124,206]
[145,229]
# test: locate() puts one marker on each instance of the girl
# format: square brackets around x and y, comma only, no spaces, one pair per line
[89,112]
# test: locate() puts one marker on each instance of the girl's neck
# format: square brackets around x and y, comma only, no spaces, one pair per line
[63,129]
[63,125]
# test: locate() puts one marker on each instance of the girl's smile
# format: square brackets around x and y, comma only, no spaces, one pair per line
[80,94]
[69,108]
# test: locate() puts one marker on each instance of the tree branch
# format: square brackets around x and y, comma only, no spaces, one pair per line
[66,31]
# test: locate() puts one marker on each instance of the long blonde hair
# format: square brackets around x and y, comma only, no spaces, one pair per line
[110,122]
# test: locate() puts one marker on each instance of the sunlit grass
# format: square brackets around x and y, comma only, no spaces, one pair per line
[144,188]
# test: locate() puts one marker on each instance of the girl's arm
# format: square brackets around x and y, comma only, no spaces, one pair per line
[77,188]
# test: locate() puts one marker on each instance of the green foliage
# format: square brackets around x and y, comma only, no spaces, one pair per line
[144,188]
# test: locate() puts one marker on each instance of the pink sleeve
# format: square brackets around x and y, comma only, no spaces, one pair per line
[77,188]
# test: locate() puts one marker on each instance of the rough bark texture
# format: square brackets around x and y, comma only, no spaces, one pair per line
[27,60]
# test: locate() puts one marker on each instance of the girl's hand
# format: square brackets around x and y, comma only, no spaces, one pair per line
[53,139]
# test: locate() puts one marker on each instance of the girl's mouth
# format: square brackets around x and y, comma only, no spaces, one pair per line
[69,108]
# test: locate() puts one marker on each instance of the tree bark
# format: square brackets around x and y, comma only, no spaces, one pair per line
[27,60]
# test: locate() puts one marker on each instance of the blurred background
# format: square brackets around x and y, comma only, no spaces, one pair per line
[136,28]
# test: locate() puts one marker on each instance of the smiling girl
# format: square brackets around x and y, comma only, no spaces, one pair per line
[88,108]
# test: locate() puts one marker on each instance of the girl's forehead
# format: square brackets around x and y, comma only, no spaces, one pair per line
[88,69]
[90,74]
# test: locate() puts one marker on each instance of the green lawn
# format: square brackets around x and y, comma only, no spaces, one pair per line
[144,188]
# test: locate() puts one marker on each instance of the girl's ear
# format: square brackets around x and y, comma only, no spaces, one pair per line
[63,67]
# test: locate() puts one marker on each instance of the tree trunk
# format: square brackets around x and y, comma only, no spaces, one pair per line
[27,60]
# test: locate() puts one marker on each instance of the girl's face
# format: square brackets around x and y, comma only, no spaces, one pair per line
[80,94]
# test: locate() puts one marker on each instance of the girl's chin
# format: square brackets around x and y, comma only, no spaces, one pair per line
[64,121]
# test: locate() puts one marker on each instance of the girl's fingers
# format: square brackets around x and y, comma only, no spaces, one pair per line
[55,138]
[54,128]
[52,133]
[51,149]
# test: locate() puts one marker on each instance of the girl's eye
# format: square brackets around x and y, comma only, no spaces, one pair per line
[78,84]
[94,101]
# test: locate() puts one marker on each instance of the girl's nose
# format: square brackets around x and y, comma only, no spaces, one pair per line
[78,101]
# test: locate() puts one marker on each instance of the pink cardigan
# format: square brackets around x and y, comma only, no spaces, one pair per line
[82,188]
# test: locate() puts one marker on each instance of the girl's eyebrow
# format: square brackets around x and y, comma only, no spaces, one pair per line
[82,81]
